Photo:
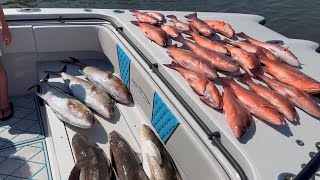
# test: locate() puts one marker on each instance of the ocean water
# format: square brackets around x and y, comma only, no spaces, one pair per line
[298,19]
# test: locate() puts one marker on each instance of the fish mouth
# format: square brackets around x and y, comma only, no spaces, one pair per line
[91,122]
[145,130]
[111,111]
[114,136]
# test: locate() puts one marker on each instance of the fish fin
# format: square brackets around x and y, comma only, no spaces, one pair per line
[64,69]
[179,39]
[241,34]
[244,78]
[81,71]
[171,16]
[189,37]
[183,64]
[138,157]
[154,152]
[75,173]
[191,16]
[113,162]
[188,32]
[170,55]
[173,65]
[45,79]
[206,100]
[287,48]
[133,10]
[37,85]
[172,46]
[75,60]
[56,88]
[226,41]
[135,23]
[178,176]
[193,28]
[225,80]
[84,161]
[269,106]
[259,53]
[40,95]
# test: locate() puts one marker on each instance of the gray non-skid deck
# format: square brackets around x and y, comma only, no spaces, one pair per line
[23,153]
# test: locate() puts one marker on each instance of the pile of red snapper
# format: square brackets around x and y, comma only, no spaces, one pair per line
[271,64]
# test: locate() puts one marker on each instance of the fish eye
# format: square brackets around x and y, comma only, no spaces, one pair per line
[88,113]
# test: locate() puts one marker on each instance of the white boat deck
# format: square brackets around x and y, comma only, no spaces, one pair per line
[264,153]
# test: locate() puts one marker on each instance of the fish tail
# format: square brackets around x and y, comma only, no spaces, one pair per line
[135,23]
[226,41]
[45,79]
[210,102]
[225,81]
[179,39]
[191,30]
[295,115]
[58,89]
[75,61]
[31,87]
[244,78]
[191,16]
[171,16]
[245,36]
[255,71]
[75,173]
[173,65]
[172,46]
[64,69]
[261,55]
[242,35]
[40,95]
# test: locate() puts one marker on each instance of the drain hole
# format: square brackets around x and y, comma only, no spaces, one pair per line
[118,11]
[312,154]
[299,142]
[318,146]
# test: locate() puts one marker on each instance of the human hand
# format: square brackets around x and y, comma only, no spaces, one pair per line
[6,35]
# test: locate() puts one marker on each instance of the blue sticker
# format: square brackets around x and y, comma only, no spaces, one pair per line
[163,119]
[124,65]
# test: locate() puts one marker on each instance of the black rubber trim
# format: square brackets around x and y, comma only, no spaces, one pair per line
[263,22]
[214,137]
[310,169]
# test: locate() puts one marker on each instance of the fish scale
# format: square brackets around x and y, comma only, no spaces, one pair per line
[157,162]
[90,160]
[124,159]
[68,109]
[91,95]
[105,80]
